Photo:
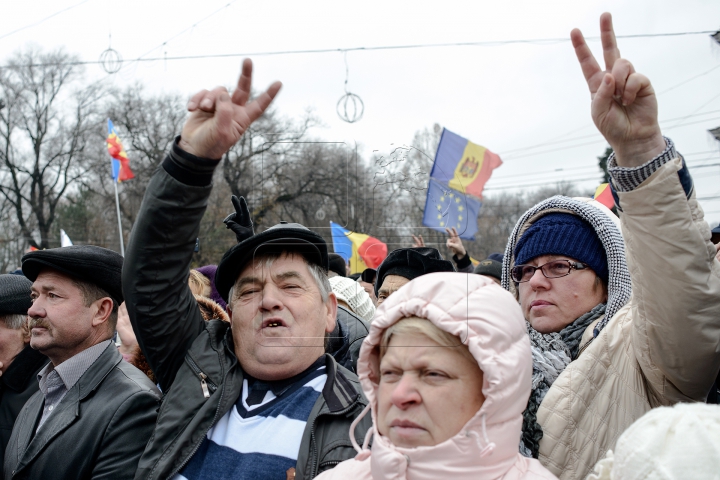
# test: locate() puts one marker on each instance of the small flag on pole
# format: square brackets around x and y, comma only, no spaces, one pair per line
[604,195]
[360,250]
[120,163]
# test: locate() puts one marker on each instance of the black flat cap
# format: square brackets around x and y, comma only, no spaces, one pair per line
[412,263]
[14,294]
[96,265]
[283,237]
[337,264]
[490,267]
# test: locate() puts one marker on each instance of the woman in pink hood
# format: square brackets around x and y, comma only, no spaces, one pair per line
[447,372]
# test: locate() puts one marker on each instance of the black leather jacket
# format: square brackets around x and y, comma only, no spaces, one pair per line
[17,384]
[97,431]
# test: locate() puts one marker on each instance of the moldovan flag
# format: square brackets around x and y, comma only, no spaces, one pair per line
[463,165]
[604,195]
[362,251]
[120,163]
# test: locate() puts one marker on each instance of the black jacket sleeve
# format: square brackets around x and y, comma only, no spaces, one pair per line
[463,264]
[162,309]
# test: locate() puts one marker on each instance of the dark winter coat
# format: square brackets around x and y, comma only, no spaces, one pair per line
[97,431]
[17,384]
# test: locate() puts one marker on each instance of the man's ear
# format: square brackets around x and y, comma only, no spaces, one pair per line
[331,307]
[103,309]
[25,329]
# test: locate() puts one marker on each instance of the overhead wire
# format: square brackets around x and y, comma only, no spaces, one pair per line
[140,58]
[487,43]
[34,24]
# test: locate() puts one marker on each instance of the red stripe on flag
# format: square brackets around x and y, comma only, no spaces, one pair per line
[373,252]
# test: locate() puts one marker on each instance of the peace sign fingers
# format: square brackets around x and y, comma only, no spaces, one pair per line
[611,53]
[590,67]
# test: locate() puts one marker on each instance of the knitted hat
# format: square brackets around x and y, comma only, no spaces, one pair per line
[563,234]
[14,294]
[668,443]
[89,263]
[355,296]
[209,271]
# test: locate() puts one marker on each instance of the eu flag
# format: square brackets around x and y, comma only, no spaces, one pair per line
[446,207]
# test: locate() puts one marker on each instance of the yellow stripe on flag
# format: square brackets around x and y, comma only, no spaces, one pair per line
[469,167]
[357,265]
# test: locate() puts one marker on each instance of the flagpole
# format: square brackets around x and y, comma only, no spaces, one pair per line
[117,206]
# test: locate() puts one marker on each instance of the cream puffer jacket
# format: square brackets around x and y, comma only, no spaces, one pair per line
[488,320]
[660,348]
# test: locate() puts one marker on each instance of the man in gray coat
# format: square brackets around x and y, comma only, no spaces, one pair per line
[257,398]
[94,412]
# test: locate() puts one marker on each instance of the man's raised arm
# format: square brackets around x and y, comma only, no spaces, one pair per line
[163,312]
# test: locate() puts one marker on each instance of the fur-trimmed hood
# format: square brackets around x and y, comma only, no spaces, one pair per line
[209,310]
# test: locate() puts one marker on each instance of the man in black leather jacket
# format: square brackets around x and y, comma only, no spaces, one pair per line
[94,412]
[215,375]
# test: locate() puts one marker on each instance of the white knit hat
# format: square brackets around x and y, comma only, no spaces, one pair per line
[354,295]
[667,443]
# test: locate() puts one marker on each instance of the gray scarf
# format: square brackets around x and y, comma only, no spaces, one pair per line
[551,353]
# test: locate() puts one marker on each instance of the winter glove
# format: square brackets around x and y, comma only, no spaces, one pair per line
[239,222]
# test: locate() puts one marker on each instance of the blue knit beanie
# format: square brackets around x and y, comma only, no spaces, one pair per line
[563,234]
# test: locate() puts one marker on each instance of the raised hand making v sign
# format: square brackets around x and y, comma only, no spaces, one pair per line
[624,105]
[218,120]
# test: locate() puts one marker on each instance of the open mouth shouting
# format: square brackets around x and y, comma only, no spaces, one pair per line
[273,327]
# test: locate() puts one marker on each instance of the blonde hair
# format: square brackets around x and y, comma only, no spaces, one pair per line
[424,327]
[199,284]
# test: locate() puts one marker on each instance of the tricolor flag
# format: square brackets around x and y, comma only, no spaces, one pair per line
[120,163]
[360,250]
[463,165]
[604,195]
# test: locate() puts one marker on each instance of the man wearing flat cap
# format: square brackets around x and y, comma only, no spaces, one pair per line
[94,412]
[405,264]
[19,363]
[257,398]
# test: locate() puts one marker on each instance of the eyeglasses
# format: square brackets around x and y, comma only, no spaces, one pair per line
[554,269]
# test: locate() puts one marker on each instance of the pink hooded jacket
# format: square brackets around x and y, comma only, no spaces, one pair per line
[489,320]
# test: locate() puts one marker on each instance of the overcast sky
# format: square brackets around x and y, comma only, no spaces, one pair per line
[505,97]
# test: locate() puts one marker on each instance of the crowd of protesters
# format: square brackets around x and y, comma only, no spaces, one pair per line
[590,348]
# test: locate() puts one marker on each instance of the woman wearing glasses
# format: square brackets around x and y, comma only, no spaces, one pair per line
[601,356]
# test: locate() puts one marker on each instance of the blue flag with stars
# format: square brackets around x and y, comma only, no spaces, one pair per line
[446,208]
